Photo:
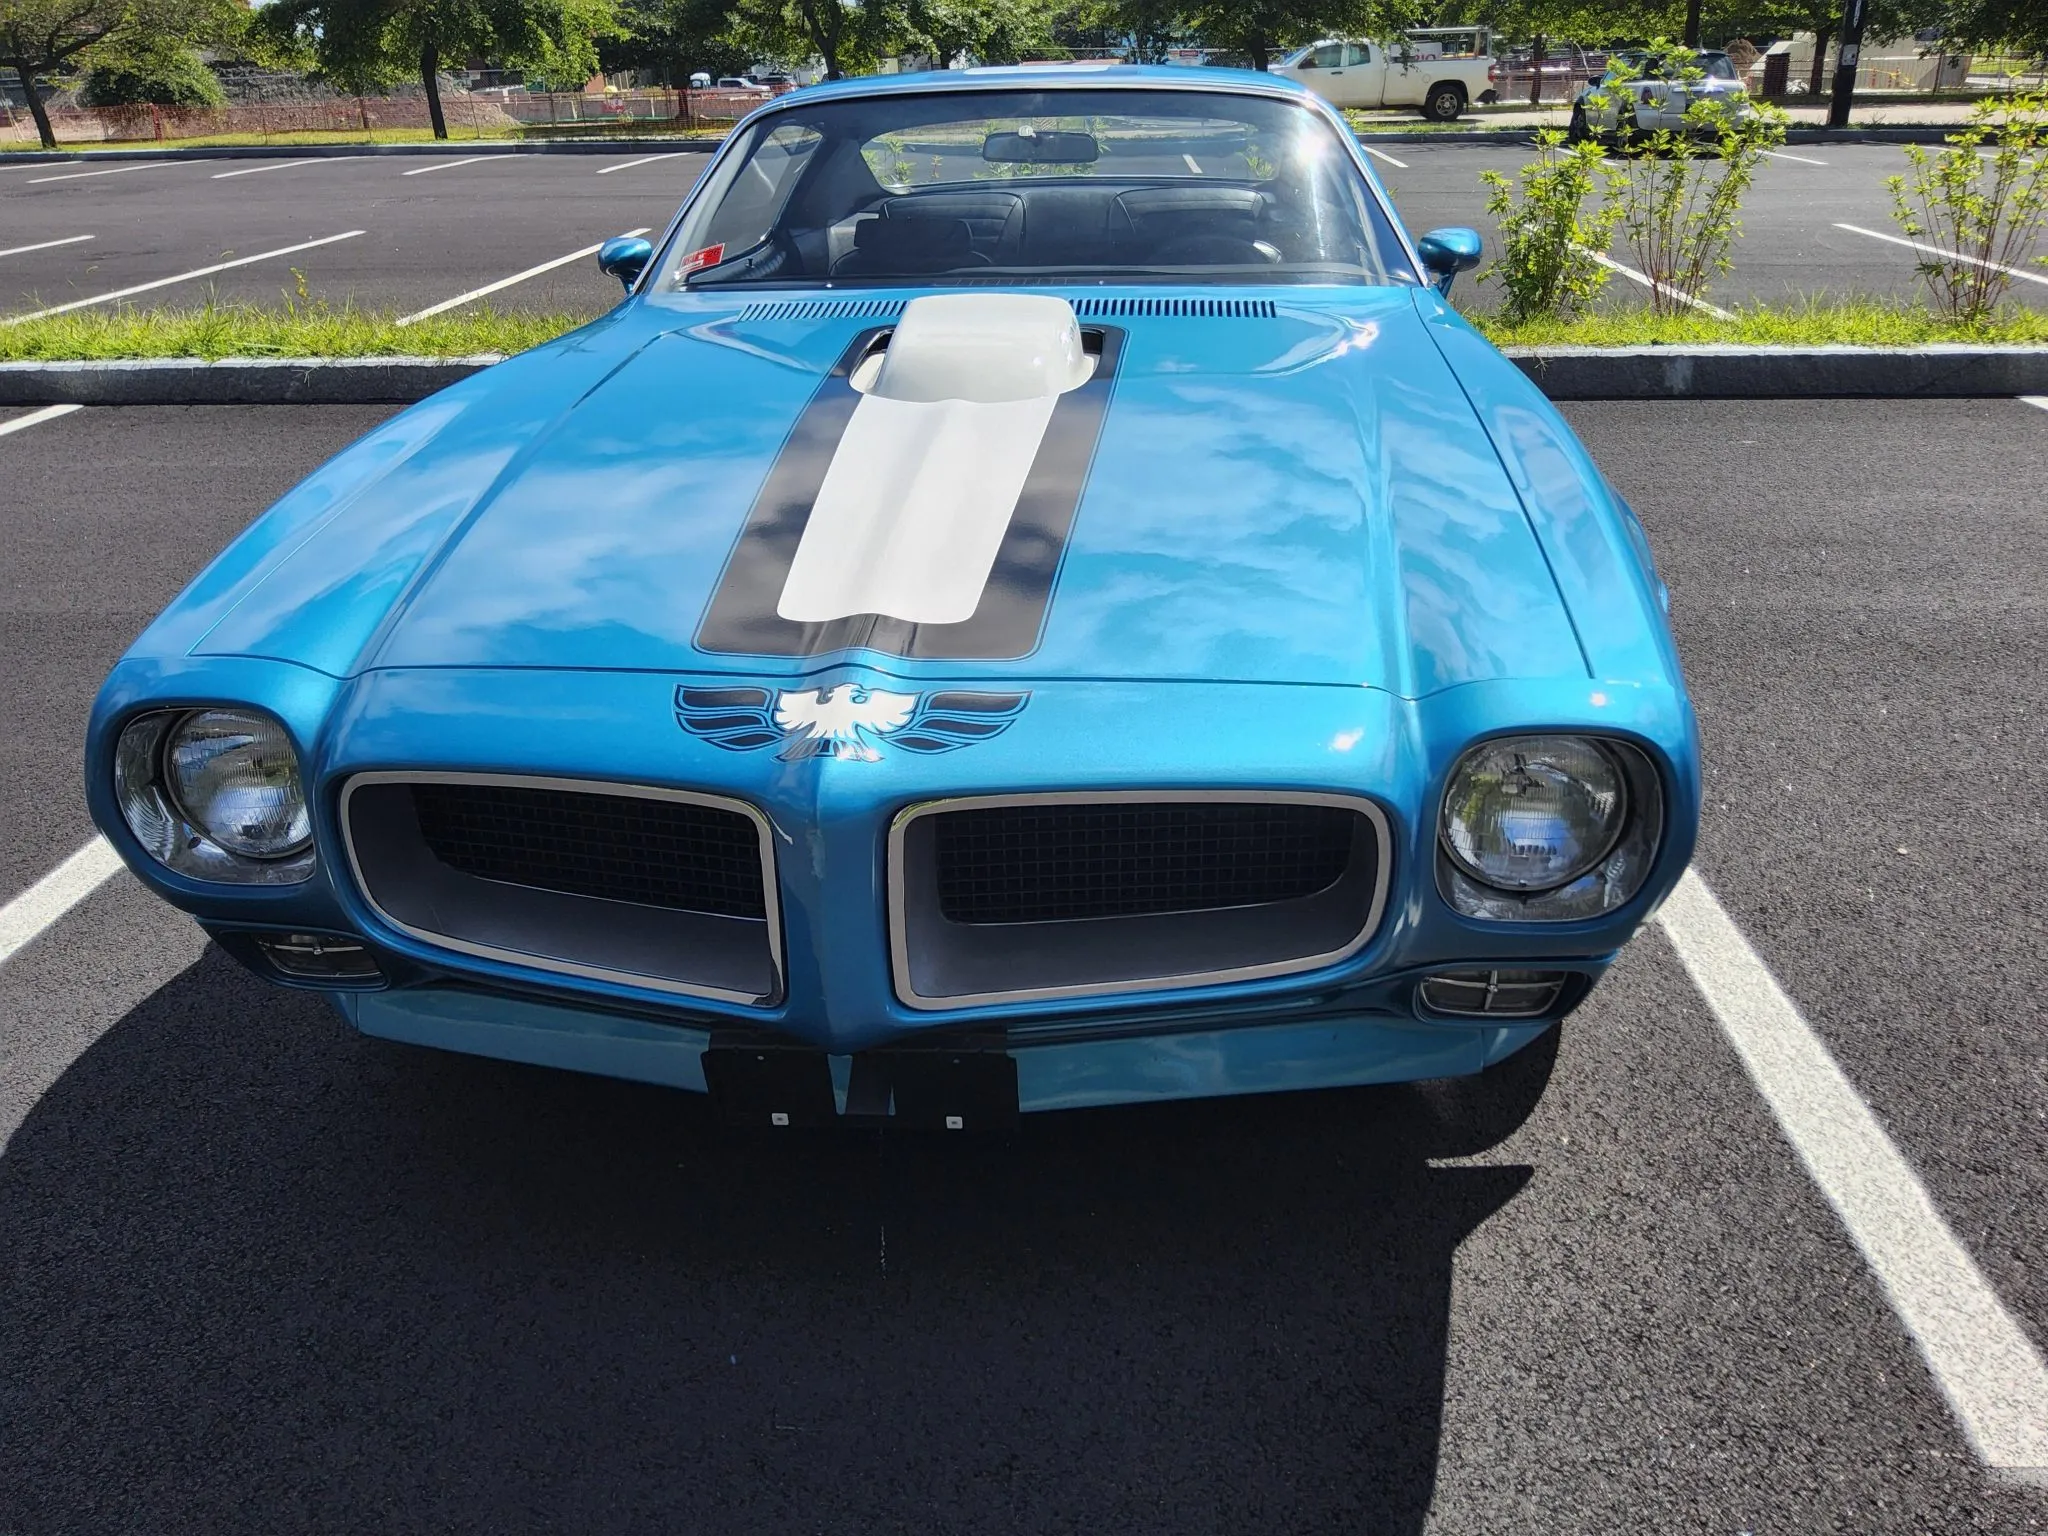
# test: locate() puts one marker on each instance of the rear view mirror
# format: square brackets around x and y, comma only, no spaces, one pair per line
[1041,149]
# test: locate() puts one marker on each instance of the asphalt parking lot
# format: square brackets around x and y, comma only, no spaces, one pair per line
[261,1273]
[404,233]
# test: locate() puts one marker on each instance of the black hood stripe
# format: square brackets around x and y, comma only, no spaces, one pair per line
[1006,623]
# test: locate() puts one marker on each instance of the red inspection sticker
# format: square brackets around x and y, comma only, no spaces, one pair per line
[710,256]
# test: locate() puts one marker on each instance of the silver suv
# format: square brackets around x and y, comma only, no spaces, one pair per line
[1641,93]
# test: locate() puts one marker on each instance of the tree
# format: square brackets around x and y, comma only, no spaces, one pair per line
[989,31]
[152,75]
[677,38]
[2021,25]
[367,43]
[849,35]
[38,37]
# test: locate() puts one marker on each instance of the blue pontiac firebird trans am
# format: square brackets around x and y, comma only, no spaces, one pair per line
[1033,600]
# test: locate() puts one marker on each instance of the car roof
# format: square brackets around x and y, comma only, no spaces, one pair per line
[1064,76]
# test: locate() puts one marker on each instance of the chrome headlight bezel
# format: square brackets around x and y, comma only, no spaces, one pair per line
[1608,882]
[170,833]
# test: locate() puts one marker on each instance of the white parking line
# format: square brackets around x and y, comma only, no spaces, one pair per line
[63,888]
[36,418]
[23,250]
[1636,277]
[1381,154]
[1935,250]
[504,282]
[281,165]
[449,165]
[147,165]
[1779,154]
[1986,1366]
[1189,162]
[643,160]
[182,277]
[2039,402]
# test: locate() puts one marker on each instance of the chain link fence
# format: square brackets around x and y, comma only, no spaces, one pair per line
[478,115]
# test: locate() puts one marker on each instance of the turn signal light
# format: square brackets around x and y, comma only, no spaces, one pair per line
[318,957]
[1496,994]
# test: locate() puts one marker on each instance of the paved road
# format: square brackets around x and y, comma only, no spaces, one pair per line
[261,1274]
[433,229]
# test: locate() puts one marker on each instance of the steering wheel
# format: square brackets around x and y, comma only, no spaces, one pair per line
[1217,251]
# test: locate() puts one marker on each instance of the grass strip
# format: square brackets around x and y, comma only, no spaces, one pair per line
[298,330]
[1812,323]
[314,330]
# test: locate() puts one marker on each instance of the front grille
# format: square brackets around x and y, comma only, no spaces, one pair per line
[654,887]
[1052,863]
[657,853]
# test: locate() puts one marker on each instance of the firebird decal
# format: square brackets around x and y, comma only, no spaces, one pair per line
[848,721]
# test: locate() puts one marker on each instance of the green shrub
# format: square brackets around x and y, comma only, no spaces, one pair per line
[1681,190]
[1983,208]
[1547,265]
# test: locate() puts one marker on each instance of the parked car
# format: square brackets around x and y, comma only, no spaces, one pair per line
[946,644]
[740,83]
[1357,72]
[1639,94]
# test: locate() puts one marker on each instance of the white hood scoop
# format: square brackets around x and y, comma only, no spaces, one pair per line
[925,479]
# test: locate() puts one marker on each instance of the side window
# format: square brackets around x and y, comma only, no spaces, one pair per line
[1357,53]
[1327,56]
[755,200]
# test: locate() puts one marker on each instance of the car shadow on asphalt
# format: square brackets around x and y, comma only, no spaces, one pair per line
[262,1274]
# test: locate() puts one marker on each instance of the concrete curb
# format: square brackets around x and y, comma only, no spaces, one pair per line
[237,381]
[1724,372]
[652,145]
[1563,373]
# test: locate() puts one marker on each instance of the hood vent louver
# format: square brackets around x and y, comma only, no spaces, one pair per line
[825,309]
[1098,309]
[1204,309]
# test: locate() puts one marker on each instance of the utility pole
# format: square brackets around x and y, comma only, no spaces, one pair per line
[1845,65]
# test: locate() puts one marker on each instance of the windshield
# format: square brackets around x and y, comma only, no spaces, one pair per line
[970,187]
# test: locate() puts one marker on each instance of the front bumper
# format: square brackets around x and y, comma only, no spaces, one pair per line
[1320,1052]
[1354,1021]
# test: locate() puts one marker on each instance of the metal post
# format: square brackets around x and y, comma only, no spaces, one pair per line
[1846,63]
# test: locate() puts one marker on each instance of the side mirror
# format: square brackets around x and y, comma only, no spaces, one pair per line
[1447,252]
[626,256]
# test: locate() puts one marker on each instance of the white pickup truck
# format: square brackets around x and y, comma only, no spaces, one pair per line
[1419,71]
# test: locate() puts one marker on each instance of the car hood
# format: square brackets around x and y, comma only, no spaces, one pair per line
[1284,489]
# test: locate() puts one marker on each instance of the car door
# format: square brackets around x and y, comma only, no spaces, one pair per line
[1323,69]
[1365,76]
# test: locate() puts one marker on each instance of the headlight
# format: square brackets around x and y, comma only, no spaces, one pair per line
[1534,812]
[1547,828]
[216,794]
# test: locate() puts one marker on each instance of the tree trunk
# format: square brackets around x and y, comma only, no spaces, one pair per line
[1261,55]
[36,108]
[1692,23]
[1537,48]
[1820,55]
[430,77]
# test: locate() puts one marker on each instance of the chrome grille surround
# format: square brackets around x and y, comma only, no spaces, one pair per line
[370,848]
[912,887]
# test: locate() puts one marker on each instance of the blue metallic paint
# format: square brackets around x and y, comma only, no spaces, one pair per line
[1447,252]
[1323,552]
